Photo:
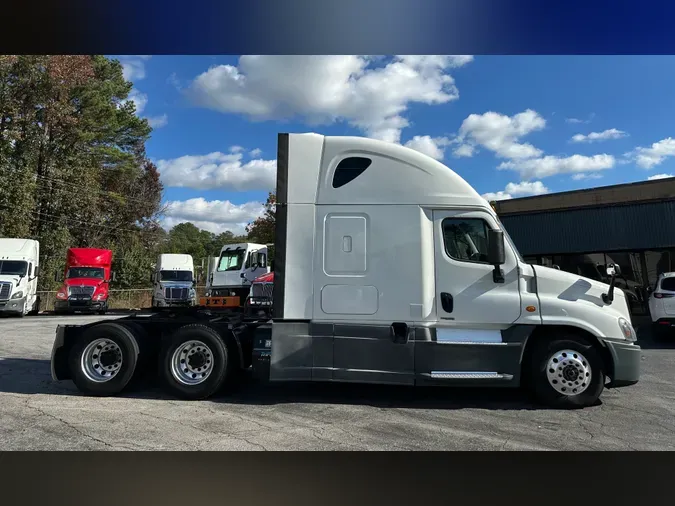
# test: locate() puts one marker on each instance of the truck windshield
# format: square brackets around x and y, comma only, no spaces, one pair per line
[231,260]
[175,276]
[13,267]
[85,272]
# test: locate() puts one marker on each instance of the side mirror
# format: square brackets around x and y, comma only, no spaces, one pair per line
[113,276]
[36,271]
[58,276]
[496,253]
[262,260]
[613,270]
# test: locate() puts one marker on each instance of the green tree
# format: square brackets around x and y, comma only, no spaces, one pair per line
[73,170]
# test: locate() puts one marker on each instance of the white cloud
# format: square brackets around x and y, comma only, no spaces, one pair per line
[524,188]
[577,121]
[430,146]
[133,67]
[215,216]
[236,149]
[612,133]
[218,170]
[659,176]
[139,99]
[551,165]
[255,153]
[158,121]
[655,154]
[581,176]
[369,93]
[499,133]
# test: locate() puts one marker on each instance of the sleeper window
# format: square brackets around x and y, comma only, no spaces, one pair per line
[349,169]
[466,239]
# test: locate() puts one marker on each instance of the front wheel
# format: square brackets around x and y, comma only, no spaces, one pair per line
[194,363]
[566,373]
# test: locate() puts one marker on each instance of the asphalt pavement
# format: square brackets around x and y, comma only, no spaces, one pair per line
[39,414]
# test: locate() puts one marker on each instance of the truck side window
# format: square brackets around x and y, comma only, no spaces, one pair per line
[349,169]
[465,239]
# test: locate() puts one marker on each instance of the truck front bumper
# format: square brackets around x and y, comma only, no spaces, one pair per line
[80,305]
[626,358]
[174,303]
[13,306]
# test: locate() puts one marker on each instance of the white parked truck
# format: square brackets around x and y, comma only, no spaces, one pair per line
[237,266]
[389,268]
[174,281]
[19,268]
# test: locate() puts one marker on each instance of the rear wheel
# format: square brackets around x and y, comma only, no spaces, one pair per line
[103,361]
[567,373]
[194,363]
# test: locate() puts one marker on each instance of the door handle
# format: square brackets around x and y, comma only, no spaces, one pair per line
[447,302]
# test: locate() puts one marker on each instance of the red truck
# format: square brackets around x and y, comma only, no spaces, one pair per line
[86,281]
[259,300]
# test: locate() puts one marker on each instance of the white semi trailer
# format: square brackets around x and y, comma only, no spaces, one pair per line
[19,268]
[389,268]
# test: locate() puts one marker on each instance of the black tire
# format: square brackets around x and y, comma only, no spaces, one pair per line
[538,381]
[128,345]
[221,363]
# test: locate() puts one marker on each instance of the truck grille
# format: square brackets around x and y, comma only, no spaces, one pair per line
[261,289]
[175,293]
[5,290]
[81,290]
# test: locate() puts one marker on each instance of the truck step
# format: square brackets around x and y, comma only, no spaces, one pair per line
[464,375]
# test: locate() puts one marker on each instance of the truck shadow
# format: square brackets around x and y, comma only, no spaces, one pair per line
[646,339]
[33,376]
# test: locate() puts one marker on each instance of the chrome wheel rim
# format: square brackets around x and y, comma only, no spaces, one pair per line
[101,360]
[192,363]
[568,372]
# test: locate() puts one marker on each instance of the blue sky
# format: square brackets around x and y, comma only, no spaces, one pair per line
[505,123]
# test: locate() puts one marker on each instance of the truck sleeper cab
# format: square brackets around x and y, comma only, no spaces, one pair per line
[19,268]
[389,268]
[174,281]
[86,281]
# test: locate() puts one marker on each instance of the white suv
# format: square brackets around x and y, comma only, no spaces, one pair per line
[662,305]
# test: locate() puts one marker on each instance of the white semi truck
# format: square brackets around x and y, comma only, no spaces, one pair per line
[174,281]
[389,268]
[234,270]
[19,268]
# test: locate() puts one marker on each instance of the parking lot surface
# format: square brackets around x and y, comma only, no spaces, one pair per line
[39,414]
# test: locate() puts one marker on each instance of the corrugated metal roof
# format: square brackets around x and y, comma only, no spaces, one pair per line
[612,228]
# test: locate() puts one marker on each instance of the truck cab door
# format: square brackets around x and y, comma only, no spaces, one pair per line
[472,305]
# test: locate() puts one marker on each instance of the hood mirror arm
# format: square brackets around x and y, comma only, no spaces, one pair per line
[613,270]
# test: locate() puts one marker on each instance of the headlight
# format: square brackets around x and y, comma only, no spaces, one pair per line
[17,295]
[100,296]
[61,295]
[627,330]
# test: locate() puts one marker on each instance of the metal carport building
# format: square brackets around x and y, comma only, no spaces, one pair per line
[582,231]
